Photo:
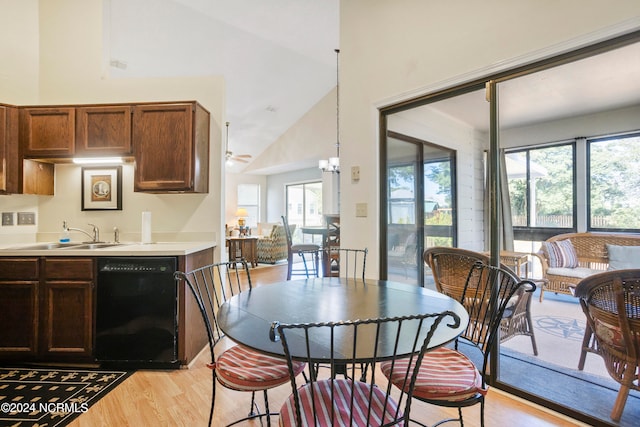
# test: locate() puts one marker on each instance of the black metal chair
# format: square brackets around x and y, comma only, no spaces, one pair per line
[304,250]
[448,377]
[236,368]
[329,401]
[351,263]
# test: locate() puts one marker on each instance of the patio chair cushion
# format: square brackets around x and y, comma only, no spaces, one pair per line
[623,257]
[578,272]
[561,254]
[341,403]
[445,374]
[240,368]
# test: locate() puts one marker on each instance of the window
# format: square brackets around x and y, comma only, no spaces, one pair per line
[541,187]
[249,198]
[304,204]
[614,183]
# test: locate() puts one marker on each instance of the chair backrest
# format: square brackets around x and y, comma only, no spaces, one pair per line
[332,236]
[450,268]
[487,293]
[351,262]
[611,303]
[288,232]
[211,286]
[346,342]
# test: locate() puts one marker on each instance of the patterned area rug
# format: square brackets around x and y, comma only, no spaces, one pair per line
[51,397]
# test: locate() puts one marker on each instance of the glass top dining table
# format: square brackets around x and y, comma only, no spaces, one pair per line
[247,317]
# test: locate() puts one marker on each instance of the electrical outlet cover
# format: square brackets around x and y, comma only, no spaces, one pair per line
[7,218]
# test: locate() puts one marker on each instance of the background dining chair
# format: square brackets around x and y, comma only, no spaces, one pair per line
[611,303]
[331,258]
[329,401]
[448,377]
[450,268]
[304,250]
[238,367]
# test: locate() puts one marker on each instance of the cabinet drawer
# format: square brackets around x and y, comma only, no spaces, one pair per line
[19,269]
[69,268]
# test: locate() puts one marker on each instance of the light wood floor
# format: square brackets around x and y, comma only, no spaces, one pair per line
[182,398]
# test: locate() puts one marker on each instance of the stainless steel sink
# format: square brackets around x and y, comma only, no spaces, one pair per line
[96,245]
[46,246]
[74,246]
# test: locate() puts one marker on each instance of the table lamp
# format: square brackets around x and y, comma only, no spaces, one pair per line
[242,213]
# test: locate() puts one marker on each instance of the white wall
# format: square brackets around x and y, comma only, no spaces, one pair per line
[72,70]
[392,51]
[18,85]
[614,121]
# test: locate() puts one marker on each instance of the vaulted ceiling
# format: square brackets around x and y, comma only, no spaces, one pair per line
[278,61]
[277,56]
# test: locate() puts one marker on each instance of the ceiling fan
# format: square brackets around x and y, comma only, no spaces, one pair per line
[230,157]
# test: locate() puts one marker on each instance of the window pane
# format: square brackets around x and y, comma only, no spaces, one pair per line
[517,173]
[541,187]
[614,183]
[402,197]
[249,198]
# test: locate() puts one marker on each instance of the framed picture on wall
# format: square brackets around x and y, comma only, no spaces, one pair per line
[101,188]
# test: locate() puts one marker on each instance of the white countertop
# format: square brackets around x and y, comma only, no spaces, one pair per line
[124,249]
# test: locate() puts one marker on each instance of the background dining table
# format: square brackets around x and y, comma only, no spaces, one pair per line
[247,317]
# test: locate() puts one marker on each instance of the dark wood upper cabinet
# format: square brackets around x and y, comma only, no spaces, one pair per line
[9,157]
[169,142]
[18,176]
[48,131]
[103,130]
[171,147]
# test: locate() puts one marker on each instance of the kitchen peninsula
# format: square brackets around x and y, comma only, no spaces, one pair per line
[69,303]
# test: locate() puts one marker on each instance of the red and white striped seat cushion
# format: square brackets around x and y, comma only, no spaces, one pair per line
[445,374]
[240,368]
[341,405]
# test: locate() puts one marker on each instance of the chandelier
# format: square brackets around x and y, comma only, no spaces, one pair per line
[333,163]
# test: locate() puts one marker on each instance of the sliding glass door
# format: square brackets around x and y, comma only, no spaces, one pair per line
[420,204]
[545,136]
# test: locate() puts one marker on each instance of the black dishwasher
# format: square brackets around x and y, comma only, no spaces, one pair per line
[136,312]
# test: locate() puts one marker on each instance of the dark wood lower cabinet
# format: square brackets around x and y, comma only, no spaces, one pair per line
[67,327]
[19,319]
[49,304]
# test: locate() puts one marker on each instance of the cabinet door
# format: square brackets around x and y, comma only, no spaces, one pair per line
[47,131]
[163,147]
[103,130]
[67,308]
[67,319]
[9,161]
[171,147]
[19,319]
[19,315]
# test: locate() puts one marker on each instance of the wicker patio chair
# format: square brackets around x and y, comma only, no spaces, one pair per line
[450,268]
[611,303]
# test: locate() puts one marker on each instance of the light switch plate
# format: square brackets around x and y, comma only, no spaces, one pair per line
[361,210]
[26,218]
[7,218]
[355,173]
